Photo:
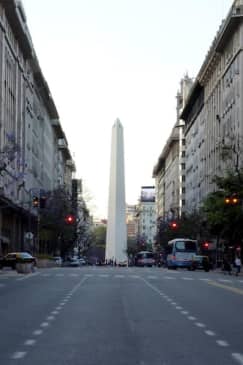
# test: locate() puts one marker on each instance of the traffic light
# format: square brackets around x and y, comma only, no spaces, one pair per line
[205,245]
[173,225]
[69,219]
[35,201]
[231,200]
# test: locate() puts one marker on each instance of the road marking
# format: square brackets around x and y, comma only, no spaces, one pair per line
[55,312]
[225,280]
[238,357]
[27,276]
[191,318]
[230,288]
[74,275]
[240,281]
[186,278]
[37,332]
[44,324]
[135,276]
[198,324]
[209,333]
[45,274]
[222,343]
[119,276]
[152,277]
[50,318]
[169,277]
[103,275]
[18,355]
[205,279]
[89,275]
[179,307]
[30,342]
[184,312]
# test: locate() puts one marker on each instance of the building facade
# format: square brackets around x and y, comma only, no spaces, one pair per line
[34,153]
[169,172]
[146,216]
[213,113]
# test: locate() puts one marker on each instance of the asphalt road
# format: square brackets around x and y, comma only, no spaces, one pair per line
[128,316]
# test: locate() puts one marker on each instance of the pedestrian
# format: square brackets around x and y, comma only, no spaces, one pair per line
[227,266]
[237,265]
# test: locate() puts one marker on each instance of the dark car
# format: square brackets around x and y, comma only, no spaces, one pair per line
[12,258]
[200,262]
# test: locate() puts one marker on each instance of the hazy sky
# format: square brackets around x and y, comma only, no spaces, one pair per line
[108,59]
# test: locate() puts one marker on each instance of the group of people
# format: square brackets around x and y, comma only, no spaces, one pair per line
[227,265]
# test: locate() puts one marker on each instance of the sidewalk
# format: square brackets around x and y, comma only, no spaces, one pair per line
[8,272]
[220,271]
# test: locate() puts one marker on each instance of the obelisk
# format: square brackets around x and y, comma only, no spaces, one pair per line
[116,235]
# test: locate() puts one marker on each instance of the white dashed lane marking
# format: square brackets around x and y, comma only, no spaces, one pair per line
[37,332]
[209,333]
[198,324]
[238,357]
[222,343]
[30,342]
[18,355]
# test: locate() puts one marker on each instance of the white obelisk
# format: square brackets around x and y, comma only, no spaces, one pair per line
[116,235]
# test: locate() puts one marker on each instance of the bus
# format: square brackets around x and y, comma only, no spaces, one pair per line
[144,258]
[179,253]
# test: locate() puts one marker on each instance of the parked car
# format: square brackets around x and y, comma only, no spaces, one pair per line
[12,258]
[200,262]
[82,261]
[71,262]
[57,260]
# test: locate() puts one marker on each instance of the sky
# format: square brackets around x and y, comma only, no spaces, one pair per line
[109,59]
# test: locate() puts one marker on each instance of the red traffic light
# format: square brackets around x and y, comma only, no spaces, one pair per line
[173,225]
[206,245]
[69,219]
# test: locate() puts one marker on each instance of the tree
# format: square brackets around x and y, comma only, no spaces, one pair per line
[100,236]
[225,220]
[53,228]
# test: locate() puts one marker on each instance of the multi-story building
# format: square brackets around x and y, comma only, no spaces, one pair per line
[169,172]
[146,214]
[132,222]
[213,113]
[34,154]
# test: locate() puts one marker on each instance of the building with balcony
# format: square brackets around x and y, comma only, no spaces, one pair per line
[169,172]
[213,112]
[146,218]
[31,158]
